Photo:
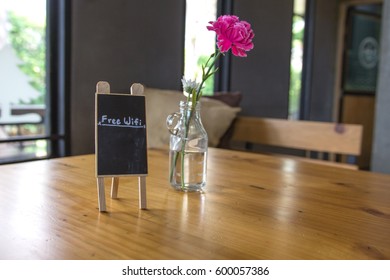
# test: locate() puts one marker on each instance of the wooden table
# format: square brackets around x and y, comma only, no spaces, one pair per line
[255,207]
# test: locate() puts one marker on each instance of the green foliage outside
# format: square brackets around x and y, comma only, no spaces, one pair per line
[295,90]
[296,73]
[208,88]
[28,41]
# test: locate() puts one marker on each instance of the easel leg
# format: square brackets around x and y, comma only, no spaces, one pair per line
[101,195]
[142,192]
[114,187]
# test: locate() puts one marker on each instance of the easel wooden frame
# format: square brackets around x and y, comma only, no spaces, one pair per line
[135,89]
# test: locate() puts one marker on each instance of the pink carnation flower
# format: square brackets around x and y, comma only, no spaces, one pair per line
[233,34]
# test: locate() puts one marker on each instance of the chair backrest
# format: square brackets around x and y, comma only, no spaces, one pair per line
[322,137]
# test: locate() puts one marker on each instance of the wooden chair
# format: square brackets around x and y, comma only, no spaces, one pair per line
[325,138]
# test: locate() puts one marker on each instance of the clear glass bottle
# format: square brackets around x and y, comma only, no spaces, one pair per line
[188,149]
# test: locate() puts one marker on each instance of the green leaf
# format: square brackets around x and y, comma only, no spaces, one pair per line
[28,41]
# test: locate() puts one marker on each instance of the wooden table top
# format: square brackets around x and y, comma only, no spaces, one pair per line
[255,207]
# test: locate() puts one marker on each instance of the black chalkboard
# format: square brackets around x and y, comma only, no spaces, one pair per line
[120,135]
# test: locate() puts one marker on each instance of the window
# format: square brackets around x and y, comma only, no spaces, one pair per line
[199,42]
[362,49]
[32,103]
[298,27]
[22,80]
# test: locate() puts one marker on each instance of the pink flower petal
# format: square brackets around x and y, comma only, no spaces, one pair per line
[233,34]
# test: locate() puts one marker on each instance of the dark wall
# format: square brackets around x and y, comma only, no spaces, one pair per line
[126,41]
[263,77]
[381,149]
[323,60]
[121,41]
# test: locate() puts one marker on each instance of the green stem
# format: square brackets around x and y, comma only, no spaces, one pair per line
[208,74]
[182,154]
[187,120]
[184,140]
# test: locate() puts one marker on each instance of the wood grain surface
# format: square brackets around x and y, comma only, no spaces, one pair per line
[255,207]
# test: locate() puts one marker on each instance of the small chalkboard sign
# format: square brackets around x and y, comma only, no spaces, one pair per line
[121,138]
[121,135]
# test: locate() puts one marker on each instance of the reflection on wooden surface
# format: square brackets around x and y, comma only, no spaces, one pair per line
[255,207]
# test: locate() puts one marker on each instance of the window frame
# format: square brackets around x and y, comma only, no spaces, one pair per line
[57,102]
[58,78]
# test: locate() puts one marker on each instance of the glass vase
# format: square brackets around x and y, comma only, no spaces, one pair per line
[187,149]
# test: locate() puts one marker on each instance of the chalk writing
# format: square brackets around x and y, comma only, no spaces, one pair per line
[128,122]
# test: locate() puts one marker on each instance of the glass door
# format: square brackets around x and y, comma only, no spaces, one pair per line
[359,69]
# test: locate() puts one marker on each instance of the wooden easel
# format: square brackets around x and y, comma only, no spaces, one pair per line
[135,89]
